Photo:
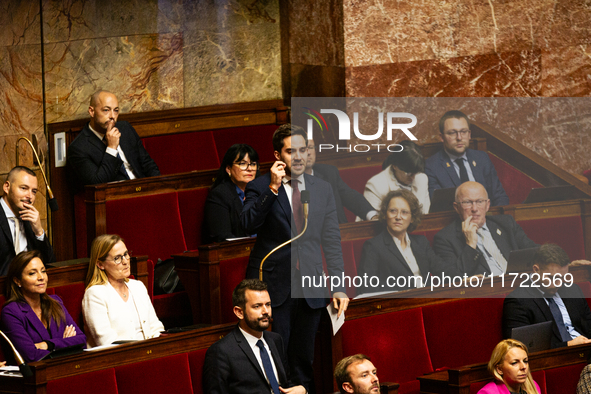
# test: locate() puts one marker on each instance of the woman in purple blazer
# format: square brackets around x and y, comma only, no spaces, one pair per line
[35,322]
[509,364]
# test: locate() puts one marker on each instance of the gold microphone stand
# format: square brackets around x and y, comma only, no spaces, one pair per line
[49,192]
[305,207]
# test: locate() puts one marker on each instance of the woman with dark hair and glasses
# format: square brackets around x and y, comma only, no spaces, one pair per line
[35,322]
[115,307]
[400,170]
[395,255]
[226,198]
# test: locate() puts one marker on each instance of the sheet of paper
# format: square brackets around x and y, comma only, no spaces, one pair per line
[337,323]
[11,370]
[100,348]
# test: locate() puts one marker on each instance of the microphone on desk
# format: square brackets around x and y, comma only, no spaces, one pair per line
[305,197]
[24,368]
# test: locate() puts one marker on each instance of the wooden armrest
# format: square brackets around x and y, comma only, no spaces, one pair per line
[389,388]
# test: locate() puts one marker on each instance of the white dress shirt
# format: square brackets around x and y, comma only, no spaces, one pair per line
[453,159]
[409,257]
[22,238]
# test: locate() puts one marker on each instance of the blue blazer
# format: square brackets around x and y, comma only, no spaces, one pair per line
[442,174]
[270,217]
[24,329]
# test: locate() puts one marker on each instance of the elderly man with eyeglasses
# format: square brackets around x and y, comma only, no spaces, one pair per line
[478,244]
[456,163]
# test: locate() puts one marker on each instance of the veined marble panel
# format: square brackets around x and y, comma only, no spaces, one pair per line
[241,63]
[145,72]
[504,74]
[316,32]
[566,71]
[21,112]
[20,22]
[79,19]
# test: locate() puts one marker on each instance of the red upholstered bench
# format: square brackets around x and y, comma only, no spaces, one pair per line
[566,232]
[196,361]
[463,332]
[517,185]
[232,272]
[150,225]
[176,153]
[564,379]
[162,375]
[98,382]
[191,206]
[72,296]
[396,343]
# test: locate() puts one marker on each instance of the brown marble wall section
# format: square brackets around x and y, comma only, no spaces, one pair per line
[316,29]
[144,71]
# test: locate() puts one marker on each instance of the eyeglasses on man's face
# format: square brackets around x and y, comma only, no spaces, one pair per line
[455,133]
[468,203]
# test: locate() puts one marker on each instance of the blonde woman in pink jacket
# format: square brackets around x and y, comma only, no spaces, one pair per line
[509,364]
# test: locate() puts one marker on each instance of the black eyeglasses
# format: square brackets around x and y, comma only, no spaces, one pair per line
[119,258]
[244,165]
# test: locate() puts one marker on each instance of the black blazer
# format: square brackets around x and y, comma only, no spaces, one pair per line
[525,306]
[7,246]
[269,216]
[343,194]
[450,244]
[91,164]
[231,367]
[222,214]
[380,257]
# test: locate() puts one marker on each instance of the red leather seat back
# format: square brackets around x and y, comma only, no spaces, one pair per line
[161,375]
[97,382]
[191,206]
[232,272]
[566,232]
[259,137]
[463,332]
[150,225]
[183,152]
[517,185]
[397,344]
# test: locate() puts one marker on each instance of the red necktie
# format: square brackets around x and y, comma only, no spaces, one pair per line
[296,204]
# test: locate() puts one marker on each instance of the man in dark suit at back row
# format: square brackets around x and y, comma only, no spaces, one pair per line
[107,150]
[19,219]
[564,305]
[344,196]
[456,163]
[249,359]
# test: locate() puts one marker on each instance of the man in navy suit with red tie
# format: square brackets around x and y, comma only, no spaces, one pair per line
[270,201]
[249,359]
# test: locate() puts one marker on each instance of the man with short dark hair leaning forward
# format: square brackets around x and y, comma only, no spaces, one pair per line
[19,219]
[107,150]
[564,305]
[479,244]
[344,196]
[273,210]
[249,359]
[357,375]
[456,163]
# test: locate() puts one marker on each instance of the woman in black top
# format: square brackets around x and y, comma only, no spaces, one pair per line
[226,198]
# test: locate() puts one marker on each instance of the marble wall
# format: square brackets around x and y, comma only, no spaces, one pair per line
[481,48]
[153,54]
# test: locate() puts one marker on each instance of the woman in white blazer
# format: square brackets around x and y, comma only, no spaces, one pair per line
[115,307]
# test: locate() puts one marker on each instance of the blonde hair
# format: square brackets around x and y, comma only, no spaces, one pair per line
[498,357]
[101,246]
